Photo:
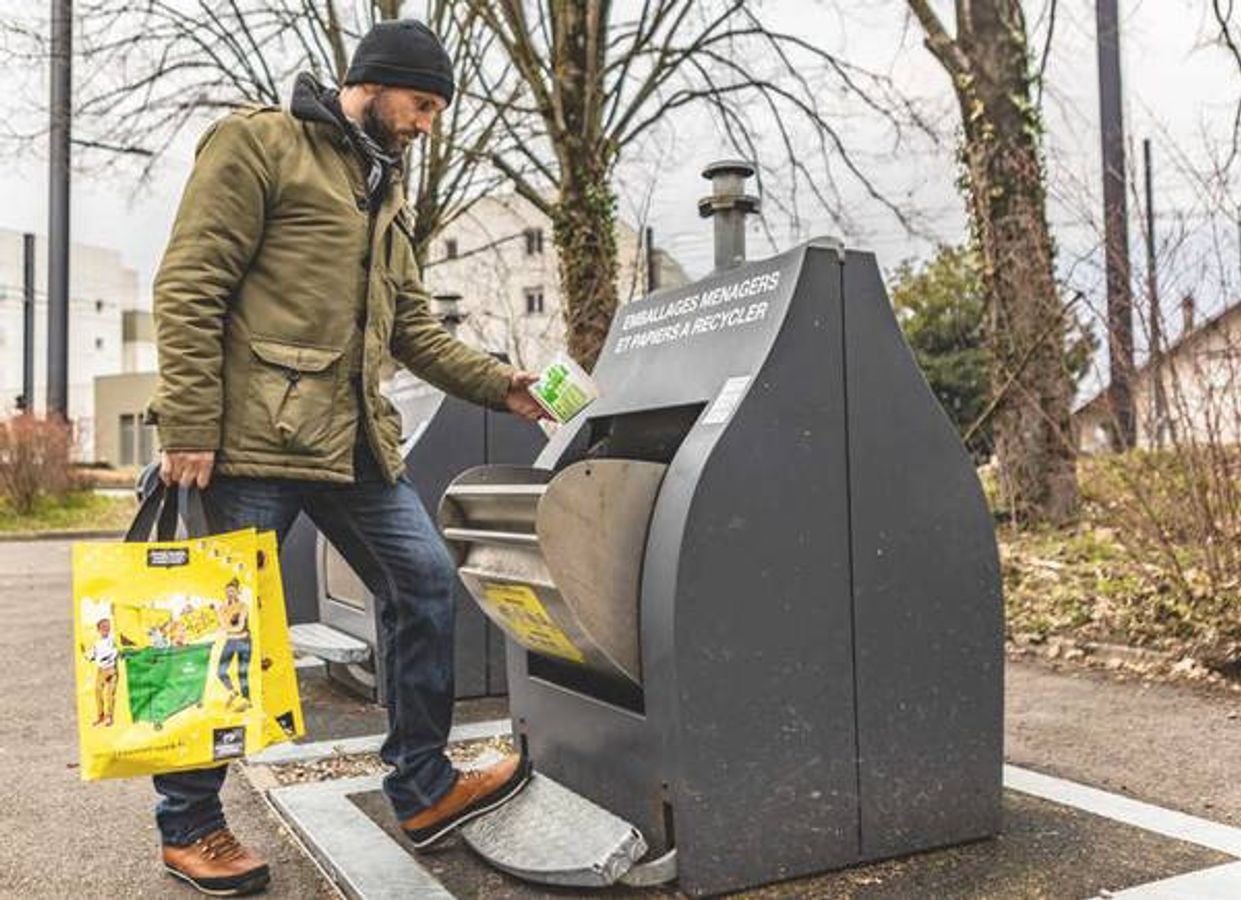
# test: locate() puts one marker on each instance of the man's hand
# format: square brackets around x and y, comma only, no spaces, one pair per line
[519,400]
[187,467]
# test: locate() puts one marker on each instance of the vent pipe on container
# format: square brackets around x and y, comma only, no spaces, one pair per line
[728,204]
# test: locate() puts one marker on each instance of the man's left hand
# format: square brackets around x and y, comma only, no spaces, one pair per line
[519,400]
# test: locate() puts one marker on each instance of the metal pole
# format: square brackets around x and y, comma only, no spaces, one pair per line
[1152,296]
[1116,227]
[28,268]
[652,276]
[58,211]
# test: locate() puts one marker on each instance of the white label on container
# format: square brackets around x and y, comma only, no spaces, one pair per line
[726,400]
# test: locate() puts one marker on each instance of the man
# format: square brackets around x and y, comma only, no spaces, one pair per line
[235,626]
[287,280]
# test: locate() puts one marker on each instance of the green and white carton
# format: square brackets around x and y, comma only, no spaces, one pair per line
[564,389]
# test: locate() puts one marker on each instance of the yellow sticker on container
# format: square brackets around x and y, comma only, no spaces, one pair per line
[517,608]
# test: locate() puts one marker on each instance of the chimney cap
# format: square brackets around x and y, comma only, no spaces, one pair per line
[729,167]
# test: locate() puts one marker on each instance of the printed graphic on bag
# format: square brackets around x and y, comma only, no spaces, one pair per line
[168,556]
[166,670]
[228,743]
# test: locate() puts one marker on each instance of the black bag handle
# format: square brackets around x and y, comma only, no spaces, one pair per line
[168,517]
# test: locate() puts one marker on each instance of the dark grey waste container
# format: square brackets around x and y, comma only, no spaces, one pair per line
[444,436]
[753,595]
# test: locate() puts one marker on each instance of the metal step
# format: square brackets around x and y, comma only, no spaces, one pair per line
[325,642]
[550,835]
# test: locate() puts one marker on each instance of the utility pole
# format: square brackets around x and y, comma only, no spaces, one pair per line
[1116,228]
[58,211]
[1152,296]
[28,269]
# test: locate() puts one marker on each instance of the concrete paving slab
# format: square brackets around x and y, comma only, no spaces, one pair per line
[350,846]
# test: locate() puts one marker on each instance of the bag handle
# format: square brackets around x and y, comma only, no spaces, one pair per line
[168,517]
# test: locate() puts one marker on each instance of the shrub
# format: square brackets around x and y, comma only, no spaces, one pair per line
[34,460]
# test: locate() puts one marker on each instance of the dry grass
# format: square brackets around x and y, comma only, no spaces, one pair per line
[76,511]
[1142,566]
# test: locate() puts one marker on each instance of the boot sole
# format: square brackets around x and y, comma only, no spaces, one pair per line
[246,884]
[428,837]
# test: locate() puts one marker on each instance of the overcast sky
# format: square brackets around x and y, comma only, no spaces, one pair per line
[1179,91]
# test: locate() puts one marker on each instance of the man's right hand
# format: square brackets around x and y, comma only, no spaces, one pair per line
[187,467]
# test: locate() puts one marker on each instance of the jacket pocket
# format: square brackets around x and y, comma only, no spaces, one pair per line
[292,389]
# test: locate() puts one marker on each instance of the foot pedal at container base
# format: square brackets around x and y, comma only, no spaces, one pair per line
[328,644]
[550,835]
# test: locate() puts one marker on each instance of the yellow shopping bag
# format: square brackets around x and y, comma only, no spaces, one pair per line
[282,705]
[168,637]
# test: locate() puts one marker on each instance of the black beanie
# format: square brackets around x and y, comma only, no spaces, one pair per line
[402,53]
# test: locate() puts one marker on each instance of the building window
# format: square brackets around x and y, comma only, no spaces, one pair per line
[137,441]
[98,343]
[98,306]
[534,301]
[129,439]
[146,443]
[450,248]
[534,241]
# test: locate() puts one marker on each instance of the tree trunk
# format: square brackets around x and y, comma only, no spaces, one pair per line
[1003,162]
[584,215]
[584,222]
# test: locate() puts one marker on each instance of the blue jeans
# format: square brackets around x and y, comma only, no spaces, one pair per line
[237,648]
[384,533]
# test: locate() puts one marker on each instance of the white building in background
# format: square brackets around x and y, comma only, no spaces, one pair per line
[500,259]
[1200,398]
[103,294]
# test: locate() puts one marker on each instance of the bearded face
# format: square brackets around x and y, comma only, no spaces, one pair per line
[394,116]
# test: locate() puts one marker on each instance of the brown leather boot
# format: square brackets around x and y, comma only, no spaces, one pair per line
[474,793]
[217,865]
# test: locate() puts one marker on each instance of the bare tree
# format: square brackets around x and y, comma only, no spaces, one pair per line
[148,70]
[595,82]
[989,62]
[1229,37]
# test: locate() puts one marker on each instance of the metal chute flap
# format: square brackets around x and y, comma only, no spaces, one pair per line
[592,525]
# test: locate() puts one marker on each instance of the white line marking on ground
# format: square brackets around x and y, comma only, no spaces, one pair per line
[1217,883]
[1147,816]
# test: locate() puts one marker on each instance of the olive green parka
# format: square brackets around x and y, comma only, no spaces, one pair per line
[280,295]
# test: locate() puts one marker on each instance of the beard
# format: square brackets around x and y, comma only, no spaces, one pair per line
[379,127]
[374,125]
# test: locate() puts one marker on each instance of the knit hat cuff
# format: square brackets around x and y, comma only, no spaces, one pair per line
[429,80]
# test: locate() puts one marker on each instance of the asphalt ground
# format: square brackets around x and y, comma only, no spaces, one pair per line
[1171,745]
